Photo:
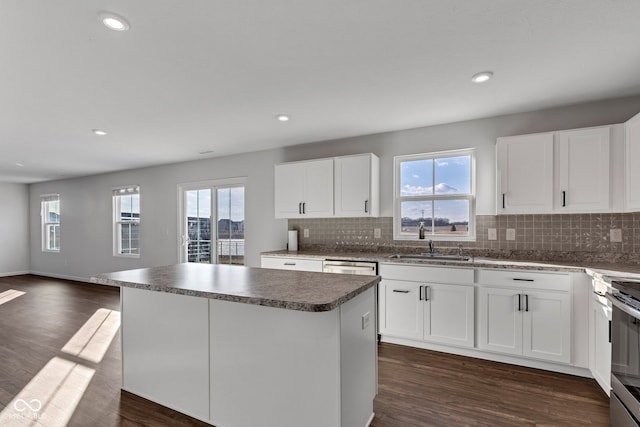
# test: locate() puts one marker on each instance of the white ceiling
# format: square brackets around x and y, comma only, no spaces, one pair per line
[199,75]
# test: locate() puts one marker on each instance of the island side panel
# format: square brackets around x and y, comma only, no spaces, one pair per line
[359,364]
[274,367]
[165,349]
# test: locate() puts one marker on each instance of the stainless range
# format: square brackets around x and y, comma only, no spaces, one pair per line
[625,353]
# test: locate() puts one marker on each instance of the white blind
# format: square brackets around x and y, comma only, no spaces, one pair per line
[127,190]
[50,197]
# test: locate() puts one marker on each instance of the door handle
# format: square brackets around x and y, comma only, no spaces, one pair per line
[526,302]
[519,302]
[564,199]
[304,207]
[366,206]
[421,294]
[523,280]
[609,331]
[300,208]
[503,201]
[426,293]
[401,291]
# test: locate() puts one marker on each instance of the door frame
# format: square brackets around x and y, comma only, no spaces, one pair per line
[212,184]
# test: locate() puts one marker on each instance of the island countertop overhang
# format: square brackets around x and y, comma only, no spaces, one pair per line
[291,290]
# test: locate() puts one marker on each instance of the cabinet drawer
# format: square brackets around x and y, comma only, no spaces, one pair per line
[525,279]
[419,273]
[300,264]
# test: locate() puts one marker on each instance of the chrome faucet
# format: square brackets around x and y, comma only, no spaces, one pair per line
[460,251]
[431,248]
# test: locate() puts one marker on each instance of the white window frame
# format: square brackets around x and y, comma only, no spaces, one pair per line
[44,200]
[471,196]
[118,192]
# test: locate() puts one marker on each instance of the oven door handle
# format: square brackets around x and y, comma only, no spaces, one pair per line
[622,306]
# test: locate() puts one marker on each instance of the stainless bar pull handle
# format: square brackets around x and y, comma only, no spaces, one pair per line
[426,293]
[401,291]
[300,208]
[366,206]
[519,302]
[304,207]
[289,263]
[564,199]
[526,302]
[503,201]
[523,280]
[421,295]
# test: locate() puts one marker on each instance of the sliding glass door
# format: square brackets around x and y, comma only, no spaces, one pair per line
[212,223]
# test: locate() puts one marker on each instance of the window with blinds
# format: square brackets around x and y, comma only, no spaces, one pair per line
[126,221]
[50,219]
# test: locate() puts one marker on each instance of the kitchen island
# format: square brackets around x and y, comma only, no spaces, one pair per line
[239,346]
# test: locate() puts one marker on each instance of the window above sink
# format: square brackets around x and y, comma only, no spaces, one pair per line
[436,190]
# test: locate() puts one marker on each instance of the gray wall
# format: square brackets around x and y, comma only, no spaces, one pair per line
[86,202]
[14,229]
[86,214]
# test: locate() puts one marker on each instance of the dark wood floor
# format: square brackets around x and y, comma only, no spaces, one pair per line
[416,387]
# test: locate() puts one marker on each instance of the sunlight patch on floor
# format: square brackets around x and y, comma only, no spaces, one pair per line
[50,398]
[7,296]
[93,339]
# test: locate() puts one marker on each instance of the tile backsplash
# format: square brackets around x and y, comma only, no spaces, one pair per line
[552,237]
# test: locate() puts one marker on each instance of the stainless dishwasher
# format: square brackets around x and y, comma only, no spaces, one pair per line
[364,268]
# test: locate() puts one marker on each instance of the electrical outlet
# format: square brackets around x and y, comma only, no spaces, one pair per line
[511,234]
[377,234]
[305,232]
[615,235]
[492,234]
[365,320]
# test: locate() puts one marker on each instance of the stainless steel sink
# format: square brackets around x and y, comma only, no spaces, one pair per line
[431,257]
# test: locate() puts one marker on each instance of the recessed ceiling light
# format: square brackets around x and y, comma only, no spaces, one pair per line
[20,165]
[114,22]
[283,117]
[99,132]
[481,77]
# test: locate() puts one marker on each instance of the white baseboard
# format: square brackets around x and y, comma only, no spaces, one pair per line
[14,273]
[480,354]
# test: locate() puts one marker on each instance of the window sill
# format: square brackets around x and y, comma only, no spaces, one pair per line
[126,255]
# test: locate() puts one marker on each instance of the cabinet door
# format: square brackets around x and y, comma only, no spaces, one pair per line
[547,326]
[500,320]
[599,342]
[583,166]
[449,314]
[525,174]
[289,190]
[401,309]
[353,182]
[632,159]
[318,189]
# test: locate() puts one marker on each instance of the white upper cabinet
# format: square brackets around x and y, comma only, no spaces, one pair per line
[304,189]
[583,170]
[525,173]
[357,186]
[555,172]
[311,189]
[632,166]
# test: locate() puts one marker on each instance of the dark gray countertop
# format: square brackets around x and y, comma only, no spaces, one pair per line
[292,290]
[611,269]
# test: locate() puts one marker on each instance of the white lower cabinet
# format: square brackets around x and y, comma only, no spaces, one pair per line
[425,310]
[291,263]
[525,319]
[600,341]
